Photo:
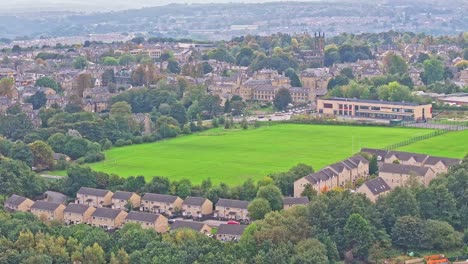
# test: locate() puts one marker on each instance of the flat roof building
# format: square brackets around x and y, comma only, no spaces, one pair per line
[374,109]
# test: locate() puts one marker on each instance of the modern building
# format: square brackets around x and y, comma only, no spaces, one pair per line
[148,220]
[161,203]
[18,203]
[78,214]
[289,202]
[228,232]
[196,226]
[48,211]
[374,188]
[374,109]
[232,210]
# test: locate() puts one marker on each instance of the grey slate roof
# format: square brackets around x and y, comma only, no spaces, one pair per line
[92,191]
[142,217]
[377,152]
[120,195]
[235,230]
[295,200]
[76,208]
[15,200]
[432,160]
[377,186]
[232,203]
[55,197]
[406,155]
[197,226]
[404,169]
[195,201]
[162,198]
[46,206]
[106,213]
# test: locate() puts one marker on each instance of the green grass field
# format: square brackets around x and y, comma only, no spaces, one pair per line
[235,155]
[453,144]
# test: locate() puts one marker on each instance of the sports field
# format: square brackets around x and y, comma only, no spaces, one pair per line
[453,144]
[232,156]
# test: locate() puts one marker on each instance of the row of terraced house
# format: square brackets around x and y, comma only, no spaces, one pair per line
[395,169]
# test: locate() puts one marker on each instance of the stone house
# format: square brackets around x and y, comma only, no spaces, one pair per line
[108,218]
[289,202]
[48,211]
[232,209]
[405,158]
[157,222]
[120,199]
[374,188]
[161,204]
[228,232]
[18,203]
[94,197]
[398,174]
[78,214]
[196,226]
[440,164]
[196,207]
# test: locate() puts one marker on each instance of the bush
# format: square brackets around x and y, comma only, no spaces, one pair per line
[221,120]
[94,157]
[105,144]
[122,142]
[138,140]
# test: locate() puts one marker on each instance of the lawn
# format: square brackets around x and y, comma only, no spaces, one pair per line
[235,155]
[453,144]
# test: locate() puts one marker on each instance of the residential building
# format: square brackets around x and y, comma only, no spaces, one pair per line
[228,232]
[120,199]
[232,209]
[374,109]
[196,207]
[374,188]
[405,158]
[157,222]
[161,204]
[78,214]
[335,175]
[18,203]
[94,197]
[197,226]
[289,202]
[108,218]
[440,164]
[48,211]
[398,174]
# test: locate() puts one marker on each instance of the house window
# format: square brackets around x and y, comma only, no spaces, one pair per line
[327,105]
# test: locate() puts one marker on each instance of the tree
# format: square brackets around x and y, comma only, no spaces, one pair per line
[309,192]
[110,61]
[440,235]
[38,100]
[178,112]
[121,109]
[80,63]
[395,64]
[83,82]
[79,177]
[294,79]
[282,99]
[48,82]
[207,68]
[126,59]
[394,92]
[43,155]
[358,235]
[310,251]
[408,232]
[76,147]
[94,255]
[273,195]
[258,208]
[120,258]
[173,67]
[21,151]
[373,166]
[7,87]
[437,203]
[17,178]
[433,71]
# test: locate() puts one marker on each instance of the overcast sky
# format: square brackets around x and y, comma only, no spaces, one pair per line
[100,5]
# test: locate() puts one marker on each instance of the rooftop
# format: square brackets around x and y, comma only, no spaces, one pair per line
[142,217]
[92,191]
[235,230]
[232,203]
[46,206]
[370,101]
[377,186]
[197,226]
[106,213]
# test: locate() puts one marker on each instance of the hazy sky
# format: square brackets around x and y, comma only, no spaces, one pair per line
[99,5]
